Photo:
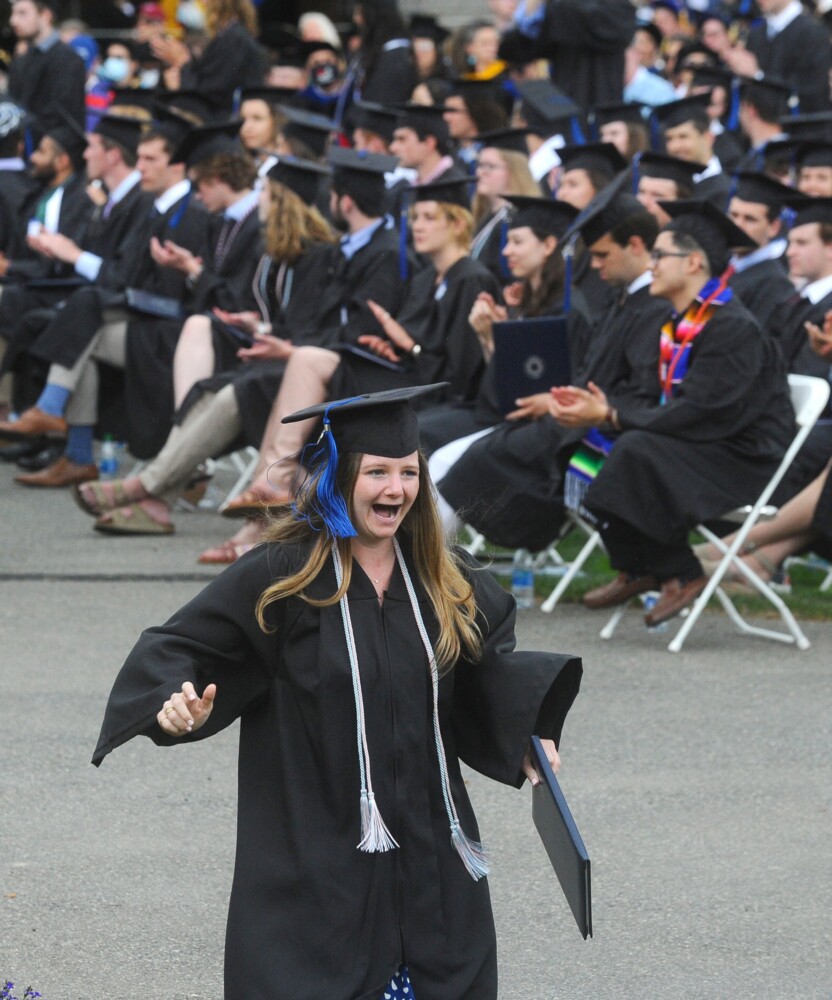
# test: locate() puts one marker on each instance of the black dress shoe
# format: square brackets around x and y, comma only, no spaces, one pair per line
[21,449]
[42,458]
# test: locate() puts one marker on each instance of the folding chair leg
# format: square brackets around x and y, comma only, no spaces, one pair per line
[575,568]
[245,467]
[608,631]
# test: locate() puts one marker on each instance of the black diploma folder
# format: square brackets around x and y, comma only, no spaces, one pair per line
[530,356]
[150,304]
[561,839]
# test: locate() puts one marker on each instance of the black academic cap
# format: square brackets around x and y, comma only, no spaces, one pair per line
[622,111]
[172,123]
[602,157]
[201,107]
[451,192]
[69,135]
[815,125]
[275,35]
[206,141]
[361,175]
[547,215]
[311,129]
[424,119]
[375,118]
[715,233]
[546,109]
[671,168]
[293,56]
[761,189]
[375,423]
[605,211]
[708,75]
[301,176]
[309,48]
[270,95]
[427,26]
[809,210]
[491,91]
[134,100]
[676,113]
[813,154]
[126,131]
[766,88]
[511,139]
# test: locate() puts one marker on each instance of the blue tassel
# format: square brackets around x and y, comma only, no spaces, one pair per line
[578,137]
[734,112]
[503,240]
[636,166]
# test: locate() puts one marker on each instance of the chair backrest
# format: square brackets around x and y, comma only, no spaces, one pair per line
[809,396]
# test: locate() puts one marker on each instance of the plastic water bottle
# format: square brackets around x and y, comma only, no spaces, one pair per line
[108,462]
[649,601]
[522,580]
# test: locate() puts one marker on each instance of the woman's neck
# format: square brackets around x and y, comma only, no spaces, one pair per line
[443,260]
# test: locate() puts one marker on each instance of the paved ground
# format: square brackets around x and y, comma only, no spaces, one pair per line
[701,783]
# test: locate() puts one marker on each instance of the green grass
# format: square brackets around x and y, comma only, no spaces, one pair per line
[806,600]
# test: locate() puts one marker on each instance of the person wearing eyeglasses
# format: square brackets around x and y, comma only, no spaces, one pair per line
[712,442]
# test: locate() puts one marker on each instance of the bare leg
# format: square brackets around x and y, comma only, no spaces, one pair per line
[194,358]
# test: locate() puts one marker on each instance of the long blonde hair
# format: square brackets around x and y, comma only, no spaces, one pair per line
[437,567]
[292,225]
[520,181]
[220,13]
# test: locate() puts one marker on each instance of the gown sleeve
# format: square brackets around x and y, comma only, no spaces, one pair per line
[508,695]
[215,638]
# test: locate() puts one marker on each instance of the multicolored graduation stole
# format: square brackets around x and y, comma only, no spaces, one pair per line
[583,467]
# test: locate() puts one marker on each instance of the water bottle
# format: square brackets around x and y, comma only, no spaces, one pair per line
[649,601]
[522,580]
[108,462]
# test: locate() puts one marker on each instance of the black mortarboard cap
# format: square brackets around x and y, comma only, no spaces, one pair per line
[548,110]
[311,129]
[547,215]
[809,210]
[70,137]
[301,176]
[715,233]
[671,168]
[676,113]
[125,131]
[626,111]
[511,139]
[375,423]
[602,157]
[375,118]
[207,141]
[133,99]
[760,188]
[427,26]
[424,119]
[361,174]
[814,154]
[708,75]
[270,95]
[171,123]
[815,125]
[451,192]
[319,45]
[492,91]
[193,102]
[773,87]
[293,56]
[605,211]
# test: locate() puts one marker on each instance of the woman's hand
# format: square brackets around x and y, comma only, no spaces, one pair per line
[250,322]
[378,345]
[552,755]
[821,340]
[530,407]
[574,407]
[393,330]
[184,712]
[266,348]
[170,51]
[484,314]
[513,294]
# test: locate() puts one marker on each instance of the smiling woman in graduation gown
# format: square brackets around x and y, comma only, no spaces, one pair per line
[311,916]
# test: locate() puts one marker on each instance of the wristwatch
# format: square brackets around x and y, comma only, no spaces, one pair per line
[415,351]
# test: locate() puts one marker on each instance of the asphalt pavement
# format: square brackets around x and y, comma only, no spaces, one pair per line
[701,783]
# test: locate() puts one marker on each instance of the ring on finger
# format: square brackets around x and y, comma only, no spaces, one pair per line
[169,709]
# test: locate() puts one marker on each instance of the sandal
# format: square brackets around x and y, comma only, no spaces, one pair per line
[225,554]
[107,495]
[255,502]
[131,520]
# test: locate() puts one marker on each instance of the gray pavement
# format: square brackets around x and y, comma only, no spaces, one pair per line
[701,783]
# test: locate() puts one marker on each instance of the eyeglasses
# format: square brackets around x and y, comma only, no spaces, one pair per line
[658,255]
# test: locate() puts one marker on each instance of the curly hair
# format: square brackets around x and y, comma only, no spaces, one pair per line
[220,13]
[292,225]
[233,169]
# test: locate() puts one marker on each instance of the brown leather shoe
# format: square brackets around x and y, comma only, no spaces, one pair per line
[675,596]
[622,588]
[61,473]
[33,422]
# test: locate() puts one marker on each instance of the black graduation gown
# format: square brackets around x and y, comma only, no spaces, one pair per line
[762,288]
[17,191]
[799,55]
[310,915]
[822,521]
[584,41]
[392,79]
[709,449]
[487,245]
[508,485]
[232,59]
[787,327]
[50,85]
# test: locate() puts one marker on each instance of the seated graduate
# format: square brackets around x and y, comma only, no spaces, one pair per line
[534,256]
[292,642]
[502,169]
[509,484]
[713,442]
[658,177]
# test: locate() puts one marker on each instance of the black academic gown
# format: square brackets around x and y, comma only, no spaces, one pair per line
[488,243]
[232,59]
[787,327]
[508,485]
[17,191]
[799,55]
[310,915]
[762,288]
[50,85]
[712,447]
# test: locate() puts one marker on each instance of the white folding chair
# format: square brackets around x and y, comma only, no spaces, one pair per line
[573,522]
[809,397]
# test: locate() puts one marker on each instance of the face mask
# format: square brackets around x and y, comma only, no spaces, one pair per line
[325,74]
[116,69]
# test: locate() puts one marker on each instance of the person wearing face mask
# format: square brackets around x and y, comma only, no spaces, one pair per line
[120,68]
[325,73]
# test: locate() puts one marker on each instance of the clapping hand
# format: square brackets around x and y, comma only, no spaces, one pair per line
[530,407]
[574,407]
[821,340]
[184,712]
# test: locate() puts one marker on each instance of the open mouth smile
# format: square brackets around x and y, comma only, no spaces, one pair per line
[387,512]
